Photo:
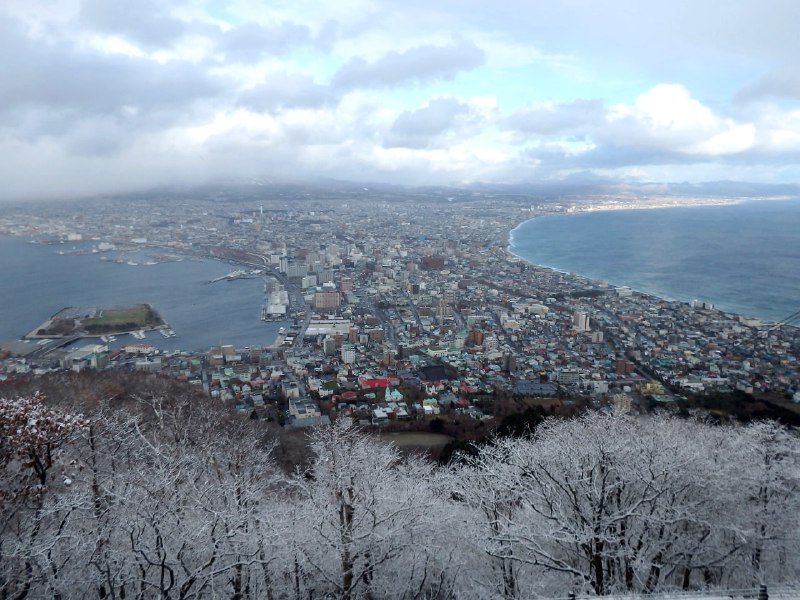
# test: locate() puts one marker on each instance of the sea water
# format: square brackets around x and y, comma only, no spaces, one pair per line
[36,282]
[744,258]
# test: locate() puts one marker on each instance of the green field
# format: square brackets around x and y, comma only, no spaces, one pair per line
[127,318]
[91,321]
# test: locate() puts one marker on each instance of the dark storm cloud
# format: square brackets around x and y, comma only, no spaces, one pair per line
[420,64]
[556,118]
[285,90]
[251,42]
[146,22]
[416,128]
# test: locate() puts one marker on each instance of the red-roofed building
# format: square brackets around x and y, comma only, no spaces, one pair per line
[372,384]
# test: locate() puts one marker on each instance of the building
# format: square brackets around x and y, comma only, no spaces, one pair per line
[93,356]
[332,327]
[293,267]
[568,377]
[327,300]
[432,263]
[623,367]
[303,408]
[348,354]
[580,321]
[325,276]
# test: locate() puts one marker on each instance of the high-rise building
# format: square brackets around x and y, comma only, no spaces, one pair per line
[348,354]
[581,321]
[325,276]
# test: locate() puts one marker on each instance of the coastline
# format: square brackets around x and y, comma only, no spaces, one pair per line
[590,208]
[644,204]
[199,318]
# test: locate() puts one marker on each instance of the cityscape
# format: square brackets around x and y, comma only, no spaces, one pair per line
[397,306]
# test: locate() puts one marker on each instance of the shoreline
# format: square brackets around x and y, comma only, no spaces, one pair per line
[578,209]
[187,339]
[509,236]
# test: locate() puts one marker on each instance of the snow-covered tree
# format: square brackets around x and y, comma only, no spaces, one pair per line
[368,520]
[32,438]
[767,456]
[181,500]
[611,503]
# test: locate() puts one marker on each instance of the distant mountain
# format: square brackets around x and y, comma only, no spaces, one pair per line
[577,186]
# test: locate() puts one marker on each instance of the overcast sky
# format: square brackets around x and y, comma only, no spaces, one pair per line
[107,95]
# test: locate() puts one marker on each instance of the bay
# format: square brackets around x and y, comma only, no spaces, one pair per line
[745,258]
[36,282]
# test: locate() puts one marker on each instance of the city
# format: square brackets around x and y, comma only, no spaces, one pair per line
[399,307]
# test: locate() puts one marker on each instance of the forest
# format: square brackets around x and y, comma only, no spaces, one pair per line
[162,495]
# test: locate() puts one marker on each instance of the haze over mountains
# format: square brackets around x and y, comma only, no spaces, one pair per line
[576,189]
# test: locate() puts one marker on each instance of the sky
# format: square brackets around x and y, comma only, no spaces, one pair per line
[100,96]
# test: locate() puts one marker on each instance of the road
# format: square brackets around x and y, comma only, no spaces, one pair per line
[388,329]
[414,311]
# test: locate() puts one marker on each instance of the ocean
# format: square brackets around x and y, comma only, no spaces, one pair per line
[37,282]
[744,258]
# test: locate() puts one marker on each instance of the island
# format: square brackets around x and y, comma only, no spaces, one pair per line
[97,321]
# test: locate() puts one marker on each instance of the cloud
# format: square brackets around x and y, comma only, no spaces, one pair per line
[138,92]
[419,64]
[667,117]
[61,89]
[252,41]
[417,128]
[783,83]
[556,117]
[146,22]
[282,89]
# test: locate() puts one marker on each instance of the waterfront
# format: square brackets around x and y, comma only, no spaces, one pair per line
[38,282]
[744,258]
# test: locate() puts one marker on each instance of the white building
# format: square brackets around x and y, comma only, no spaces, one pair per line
[348,354]
[581,321]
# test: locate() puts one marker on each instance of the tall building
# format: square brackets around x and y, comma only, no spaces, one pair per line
[293,267]
[581,321]
[348,354]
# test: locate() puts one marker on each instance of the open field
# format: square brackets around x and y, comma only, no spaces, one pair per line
[91,321]
[113,317]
